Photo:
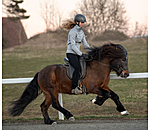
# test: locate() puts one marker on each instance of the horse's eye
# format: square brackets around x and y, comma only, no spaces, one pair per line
[123,60]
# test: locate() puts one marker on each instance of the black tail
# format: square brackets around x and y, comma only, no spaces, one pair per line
[30,93]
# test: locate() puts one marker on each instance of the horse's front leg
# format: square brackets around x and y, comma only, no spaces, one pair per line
[120,107]
[102,96]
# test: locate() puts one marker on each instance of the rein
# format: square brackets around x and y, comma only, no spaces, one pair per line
[99,62]
[111,67]
[103,63]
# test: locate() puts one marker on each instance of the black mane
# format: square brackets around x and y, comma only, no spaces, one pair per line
[108,50]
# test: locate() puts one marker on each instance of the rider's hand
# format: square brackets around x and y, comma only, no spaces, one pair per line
[85,56]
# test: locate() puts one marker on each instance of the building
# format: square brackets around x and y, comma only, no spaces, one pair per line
[13,33]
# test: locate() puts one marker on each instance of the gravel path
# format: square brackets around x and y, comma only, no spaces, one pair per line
[102,124]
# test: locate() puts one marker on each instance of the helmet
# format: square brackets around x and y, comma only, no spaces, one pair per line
[79,18]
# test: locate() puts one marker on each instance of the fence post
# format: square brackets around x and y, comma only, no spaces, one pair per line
[61,116]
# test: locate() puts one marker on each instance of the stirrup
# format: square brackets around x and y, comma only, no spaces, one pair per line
[76,91]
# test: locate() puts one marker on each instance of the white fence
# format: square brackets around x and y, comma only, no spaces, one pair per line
[112,76]
[61,116]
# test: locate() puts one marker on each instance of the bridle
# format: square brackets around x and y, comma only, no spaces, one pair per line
[118,70]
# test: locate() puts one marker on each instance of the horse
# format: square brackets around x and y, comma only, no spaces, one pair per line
[52,80]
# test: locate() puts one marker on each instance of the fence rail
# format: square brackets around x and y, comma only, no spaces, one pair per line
[61,116]
[112,76]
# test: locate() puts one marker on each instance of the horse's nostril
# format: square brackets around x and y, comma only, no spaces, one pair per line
[126,75]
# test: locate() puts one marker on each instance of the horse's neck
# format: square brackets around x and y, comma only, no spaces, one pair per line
[101,68]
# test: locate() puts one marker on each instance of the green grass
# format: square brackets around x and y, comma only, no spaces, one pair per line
[77,118]
[25,61]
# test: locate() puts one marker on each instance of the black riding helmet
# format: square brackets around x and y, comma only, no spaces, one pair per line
[80,18]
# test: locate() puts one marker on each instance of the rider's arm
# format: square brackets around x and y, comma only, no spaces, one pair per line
[72,37]
[86,45]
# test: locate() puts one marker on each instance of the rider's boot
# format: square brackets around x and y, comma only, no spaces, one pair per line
[76,91]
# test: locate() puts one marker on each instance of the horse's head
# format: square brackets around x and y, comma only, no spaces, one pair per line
[117,56]
[119,61]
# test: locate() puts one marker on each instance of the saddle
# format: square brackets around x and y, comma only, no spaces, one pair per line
[70,68]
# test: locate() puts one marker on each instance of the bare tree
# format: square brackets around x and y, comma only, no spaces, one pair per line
[50,14]
[140,29]
[145,29]
[104,15]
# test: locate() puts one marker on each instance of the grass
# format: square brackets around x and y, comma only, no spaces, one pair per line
[20,120]
[25,61]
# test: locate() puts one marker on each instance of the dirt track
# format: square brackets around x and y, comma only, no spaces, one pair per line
[102,124]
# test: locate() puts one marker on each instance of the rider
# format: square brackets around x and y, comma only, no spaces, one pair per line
[75,37]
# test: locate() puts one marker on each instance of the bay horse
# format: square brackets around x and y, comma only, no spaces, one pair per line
[52,80]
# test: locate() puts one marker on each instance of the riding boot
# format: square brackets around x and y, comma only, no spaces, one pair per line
[76,91]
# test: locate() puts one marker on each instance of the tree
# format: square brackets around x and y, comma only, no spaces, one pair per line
[50,14]
[13,10]
[103,15]
[140,30]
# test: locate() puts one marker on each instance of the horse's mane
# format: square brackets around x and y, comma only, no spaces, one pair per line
[107,50]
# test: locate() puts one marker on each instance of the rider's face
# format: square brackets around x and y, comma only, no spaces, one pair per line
[81,24]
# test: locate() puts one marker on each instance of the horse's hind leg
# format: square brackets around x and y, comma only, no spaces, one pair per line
[120,107]
[44,108]
[56,105]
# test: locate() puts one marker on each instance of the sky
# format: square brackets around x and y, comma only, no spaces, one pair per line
[137,10]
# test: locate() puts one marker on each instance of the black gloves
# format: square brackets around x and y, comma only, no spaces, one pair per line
[85,56]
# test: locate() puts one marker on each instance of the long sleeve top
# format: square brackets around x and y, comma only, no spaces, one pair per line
[75,37]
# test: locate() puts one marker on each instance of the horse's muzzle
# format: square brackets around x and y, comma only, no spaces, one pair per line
[124,74]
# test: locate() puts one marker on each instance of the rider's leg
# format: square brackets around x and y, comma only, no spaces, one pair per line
[74,61]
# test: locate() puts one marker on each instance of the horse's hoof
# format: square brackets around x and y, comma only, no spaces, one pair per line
[124,113]
[54,123]
[93,100]
[72,119]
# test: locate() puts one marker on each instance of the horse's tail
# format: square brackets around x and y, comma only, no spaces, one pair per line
[30,93]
